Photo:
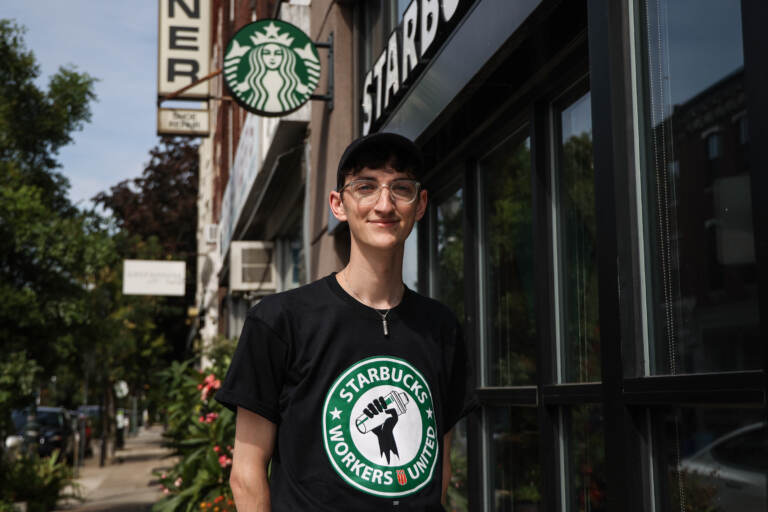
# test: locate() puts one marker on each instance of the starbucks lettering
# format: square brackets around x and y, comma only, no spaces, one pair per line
[423,28]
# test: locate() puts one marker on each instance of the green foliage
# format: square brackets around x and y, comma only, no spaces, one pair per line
[35,123]
[47,247]
[17,379]
[201,433]
[40,482]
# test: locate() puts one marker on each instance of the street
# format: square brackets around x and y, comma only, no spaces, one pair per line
[127,483]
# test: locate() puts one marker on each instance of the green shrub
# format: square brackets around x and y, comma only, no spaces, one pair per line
[39,481]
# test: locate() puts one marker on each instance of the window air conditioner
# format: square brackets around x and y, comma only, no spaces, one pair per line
[252,267]
[211,233]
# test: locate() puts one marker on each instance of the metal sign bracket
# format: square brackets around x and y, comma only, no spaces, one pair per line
[328,96]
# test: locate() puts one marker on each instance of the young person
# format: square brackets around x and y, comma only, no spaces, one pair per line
[351,385]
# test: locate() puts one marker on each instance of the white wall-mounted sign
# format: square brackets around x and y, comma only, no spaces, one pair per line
[184,47]
[154,277]
[182,121]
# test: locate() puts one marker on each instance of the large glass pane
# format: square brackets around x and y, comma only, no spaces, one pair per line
[695,189]
[711,460]
[585,459]
[509,319]
[448,287]
[449,272]
[515,474]
[457,499]
[576,234]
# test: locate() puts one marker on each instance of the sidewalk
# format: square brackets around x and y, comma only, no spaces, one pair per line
[127,483]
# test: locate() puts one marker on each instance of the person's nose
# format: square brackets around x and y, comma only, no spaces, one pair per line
[384,204]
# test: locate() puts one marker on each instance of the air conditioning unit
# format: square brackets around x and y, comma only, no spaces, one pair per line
[211,233]
[252,267]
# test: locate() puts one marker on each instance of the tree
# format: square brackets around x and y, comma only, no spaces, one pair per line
[35,123]
[49,250]
[158,212]
[46,245]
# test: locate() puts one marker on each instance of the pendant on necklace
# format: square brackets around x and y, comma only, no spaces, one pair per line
[384,326]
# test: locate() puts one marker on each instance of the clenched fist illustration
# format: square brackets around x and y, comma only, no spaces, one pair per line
[387,444]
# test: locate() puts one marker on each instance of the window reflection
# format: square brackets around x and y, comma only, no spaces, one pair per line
[448,288]
[457,499]
[702,272]
[515,474]
[712,459]
[449,274]
[585,453]
[577,234]
[508,235]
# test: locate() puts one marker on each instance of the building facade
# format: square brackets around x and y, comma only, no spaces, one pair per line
[596,220]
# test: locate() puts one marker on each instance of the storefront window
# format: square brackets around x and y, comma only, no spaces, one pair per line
[447,285]
[575,245]
[695,190]
[448,276]
[712,459]
[515,474]
[585,456]
[509,317]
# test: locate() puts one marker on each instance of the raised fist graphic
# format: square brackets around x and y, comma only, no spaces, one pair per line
[383,432]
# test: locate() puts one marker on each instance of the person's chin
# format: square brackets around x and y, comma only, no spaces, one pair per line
[383,241]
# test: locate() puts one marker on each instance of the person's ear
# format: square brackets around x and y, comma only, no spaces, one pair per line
[421,207]
[337,206]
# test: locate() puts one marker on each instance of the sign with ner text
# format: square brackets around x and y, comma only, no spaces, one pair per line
[184,47]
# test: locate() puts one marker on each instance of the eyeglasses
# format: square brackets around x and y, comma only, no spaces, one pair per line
[368,192]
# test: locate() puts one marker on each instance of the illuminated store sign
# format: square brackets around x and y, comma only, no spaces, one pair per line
[419,32]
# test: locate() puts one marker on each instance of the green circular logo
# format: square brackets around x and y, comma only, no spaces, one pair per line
[271,67]
[379,427]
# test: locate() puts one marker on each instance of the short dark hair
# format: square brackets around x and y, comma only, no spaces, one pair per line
[379,150]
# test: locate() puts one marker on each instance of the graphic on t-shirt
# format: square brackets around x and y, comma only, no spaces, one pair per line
[380,417]
[379,427]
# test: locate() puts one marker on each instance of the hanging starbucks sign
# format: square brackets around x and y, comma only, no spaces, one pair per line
[271,67]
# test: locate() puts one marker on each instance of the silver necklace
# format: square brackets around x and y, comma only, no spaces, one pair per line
[383,315]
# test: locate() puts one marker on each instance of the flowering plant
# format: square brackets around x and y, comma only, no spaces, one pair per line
[201,433]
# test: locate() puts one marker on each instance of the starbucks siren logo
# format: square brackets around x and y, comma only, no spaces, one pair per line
[271,67]
[379,427]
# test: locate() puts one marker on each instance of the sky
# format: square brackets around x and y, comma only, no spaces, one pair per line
[116,42]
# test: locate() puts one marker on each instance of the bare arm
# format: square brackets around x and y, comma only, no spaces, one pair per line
[254,443]
[446,464]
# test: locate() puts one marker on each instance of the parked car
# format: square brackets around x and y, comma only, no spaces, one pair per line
[736,464]
[51,430]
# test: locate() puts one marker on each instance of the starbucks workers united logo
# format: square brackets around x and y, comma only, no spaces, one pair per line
[379,427]
[271,67]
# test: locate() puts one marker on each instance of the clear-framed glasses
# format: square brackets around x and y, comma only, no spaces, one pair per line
[403,191]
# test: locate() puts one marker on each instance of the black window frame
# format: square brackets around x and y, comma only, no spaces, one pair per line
[601,49]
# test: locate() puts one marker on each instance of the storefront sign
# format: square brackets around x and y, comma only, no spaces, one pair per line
[271,67]
[182,121]
[183,47]
[150,277]
[419,33]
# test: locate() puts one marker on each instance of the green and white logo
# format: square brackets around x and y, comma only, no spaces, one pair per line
[271,67]
[379,427]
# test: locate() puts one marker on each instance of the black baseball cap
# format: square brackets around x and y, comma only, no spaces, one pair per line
[377,148]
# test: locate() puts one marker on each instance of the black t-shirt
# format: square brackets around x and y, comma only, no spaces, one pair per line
[360,414]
